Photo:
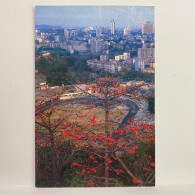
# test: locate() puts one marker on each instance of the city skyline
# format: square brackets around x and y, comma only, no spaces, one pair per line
[94,16]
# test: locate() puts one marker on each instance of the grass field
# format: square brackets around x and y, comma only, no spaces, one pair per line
[82,115]
[85,119]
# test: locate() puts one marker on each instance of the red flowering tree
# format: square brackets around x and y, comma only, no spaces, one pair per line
[121,141]
[102,150]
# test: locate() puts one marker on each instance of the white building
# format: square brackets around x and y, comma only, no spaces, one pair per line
[92,63]
[66,33]
[103,57]
[139,64]
[112,27]
[57,38]
[100,65]
[42,35]
[111,66]
[126,31]
[46,54]
[125,56]
[80,48]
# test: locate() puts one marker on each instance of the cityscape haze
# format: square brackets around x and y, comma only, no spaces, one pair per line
[93,16]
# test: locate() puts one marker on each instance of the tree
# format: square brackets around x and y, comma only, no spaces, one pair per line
[99,152]
[109,89]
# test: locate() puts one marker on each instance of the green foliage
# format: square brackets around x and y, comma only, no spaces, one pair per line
[138,161]
[137,75]
[151,106]
[70,176]
[63,69]
[59,74]
[54,51]
[145,147]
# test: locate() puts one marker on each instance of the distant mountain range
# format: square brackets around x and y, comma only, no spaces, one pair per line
[46,27]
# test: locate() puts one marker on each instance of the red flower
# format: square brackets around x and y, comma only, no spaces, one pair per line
[94,170]
[109,160]
[83,171]
[93,119]
[135,181]
[131,152]
[90,182]
[65,126]
[152,164]
[76,164]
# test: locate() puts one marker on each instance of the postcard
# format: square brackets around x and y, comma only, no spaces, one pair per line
[94,96]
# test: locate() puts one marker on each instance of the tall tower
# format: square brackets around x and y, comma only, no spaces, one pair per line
[112,27]
[147,28]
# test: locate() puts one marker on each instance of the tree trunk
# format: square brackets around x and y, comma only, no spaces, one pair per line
[106,170]
[53,160]
[107,135]
[128,171]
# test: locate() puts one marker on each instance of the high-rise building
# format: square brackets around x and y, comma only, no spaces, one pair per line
[126,31]
[99,31]
[57,38]
[96,45]
[147,28]
[144,53]
[112,27]
[66,33]
[139,64]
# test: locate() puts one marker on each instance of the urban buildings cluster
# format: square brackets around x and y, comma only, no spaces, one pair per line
[109,49]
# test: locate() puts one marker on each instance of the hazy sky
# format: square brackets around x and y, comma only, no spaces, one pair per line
[86,16]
